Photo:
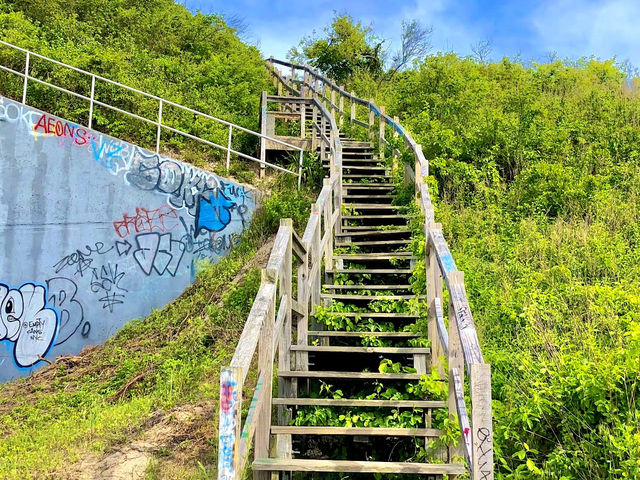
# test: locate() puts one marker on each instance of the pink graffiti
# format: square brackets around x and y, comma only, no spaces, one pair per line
[161,219]
[466,432]
[227,401]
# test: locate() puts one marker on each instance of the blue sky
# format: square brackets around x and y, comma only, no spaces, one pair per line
[532,29]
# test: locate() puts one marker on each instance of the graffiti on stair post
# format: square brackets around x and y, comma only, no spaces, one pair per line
[27,321]
[229,405]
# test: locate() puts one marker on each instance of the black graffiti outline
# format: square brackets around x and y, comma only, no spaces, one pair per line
[16,306]
[106,283]
[81,260]
[156,251]
[483,435]
[59,297]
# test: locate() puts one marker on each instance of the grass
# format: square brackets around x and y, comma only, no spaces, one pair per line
[90,403]
[84,407]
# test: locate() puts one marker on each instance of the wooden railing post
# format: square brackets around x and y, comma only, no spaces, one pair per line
[230,423]
[323,128]
[456,358]
[302,358]
[481,423]
[284,340]
[333,102]
[328,213]
[434,290]
[265,366]
[381,127]
[303,120]
[353,107]
[314,133]
[341,106]
[395,151]
[418,174]
[316,255]
[372,118]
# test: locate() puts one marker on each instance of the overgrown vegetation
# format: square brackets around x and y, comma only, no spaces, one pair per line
[158,47]
[536,172]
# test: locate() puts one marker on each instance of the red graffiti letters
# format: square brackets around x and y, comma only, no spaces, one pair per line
[161,219]
[60,128]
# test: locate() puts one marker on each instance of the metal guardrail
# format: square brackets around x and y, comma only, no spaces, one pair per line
[157,121]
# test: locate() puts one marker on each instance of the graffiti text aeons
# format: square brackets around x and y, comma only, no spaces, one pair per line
[60,128]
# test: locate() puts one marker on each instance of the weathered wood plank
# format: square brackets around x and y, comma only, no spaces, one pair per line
[251,333]
[359,402]
[230,422]
[349,375]
[360,334]
[337,296]
[463,416]
[341,349]
[353,466]
[367,431]
[480,381]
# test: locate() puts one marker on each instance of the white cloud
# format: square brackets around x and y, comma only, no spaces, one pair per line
[578,28]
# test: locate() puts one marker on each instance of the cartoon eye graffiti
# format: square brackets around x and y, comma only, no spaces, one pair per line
[26,321]
[10,313]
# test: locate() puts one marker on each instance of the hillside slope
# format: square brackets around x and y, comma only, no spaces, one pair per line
[538,175]
[146,401]
[155,46]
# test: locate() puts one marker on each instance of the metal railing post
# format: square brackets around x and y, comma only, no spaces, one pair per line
[229,147]
[26,79]
[93,89]
[159,127]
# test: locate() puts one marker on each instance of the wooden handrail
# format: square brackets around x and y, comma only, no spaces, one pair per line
[460,344]
[314,251]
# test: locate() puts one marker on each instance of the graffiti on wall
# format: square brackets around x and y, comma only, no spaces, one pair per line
[161,219]
[176,214]
[27,321]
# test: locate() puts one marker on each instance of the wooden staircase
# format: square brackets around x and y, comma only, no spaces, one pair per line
[363,388]
[373,239]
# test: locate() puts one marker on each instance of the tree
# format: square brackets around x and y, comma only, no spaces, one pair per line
[482,50]
[347,47]
[416,43]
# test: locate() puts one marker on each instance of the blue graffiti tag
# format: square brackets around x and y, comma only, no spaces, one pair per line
[213,214]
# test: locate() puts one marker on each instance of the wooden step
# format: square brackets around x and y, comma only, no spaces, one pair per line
[360,334]
[367,168]
[374,243]
[347,296]
[360,431]
[359,402]
[336,375]
[366,287]
[395,231]
[372,206]
[324,374]
[398,216]
[388,271]
[360,349]
[347,198]
[376,256]
[375,186]
[367,228]
[356,466]
[374,314]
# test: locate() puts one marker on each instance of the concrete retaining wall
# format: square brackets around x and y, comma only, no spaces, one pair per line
[94,232]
